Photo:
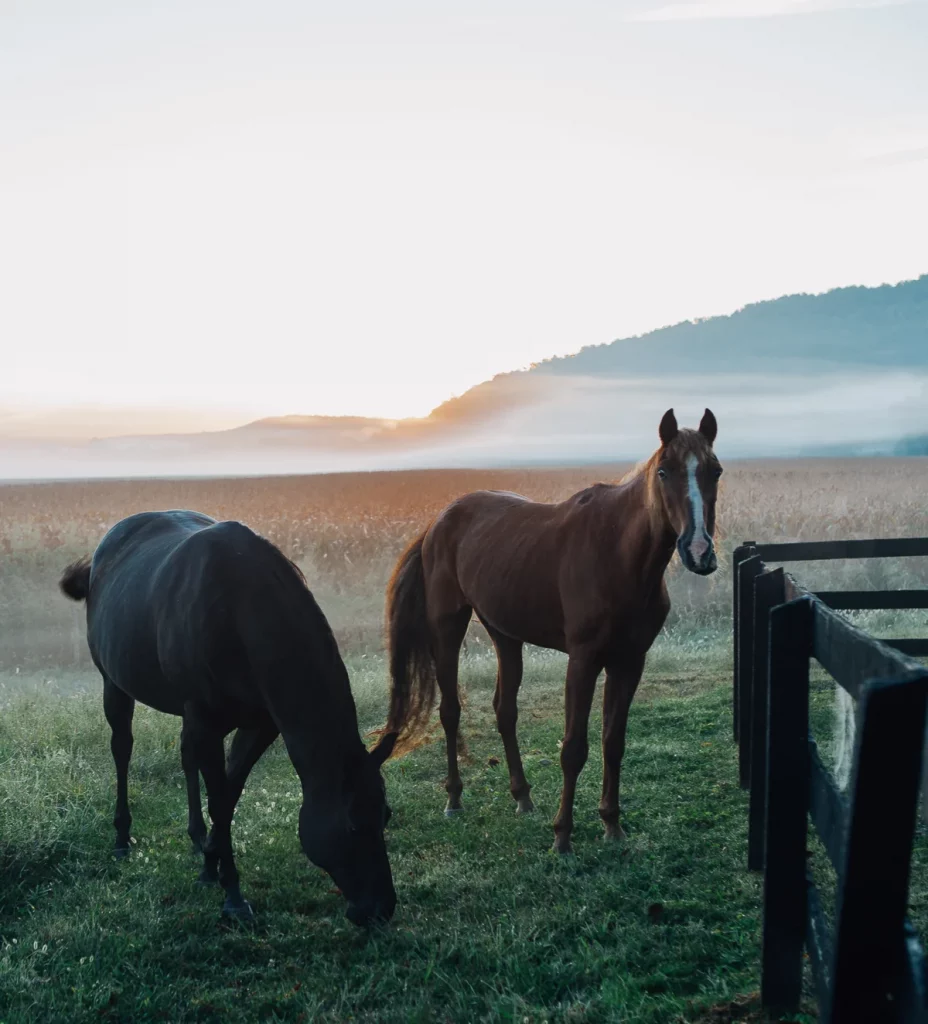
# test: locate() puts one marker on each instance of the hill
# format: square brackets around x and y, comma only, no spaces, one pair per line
[845,371]
[866,328]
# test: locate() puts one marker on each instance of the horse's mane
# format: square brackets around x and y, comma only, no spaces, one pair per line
[646,472]
[286,572]
[301,576]
[281,558]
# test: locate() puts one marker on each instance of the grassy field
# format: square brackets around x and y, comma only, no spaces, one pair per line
[491,926]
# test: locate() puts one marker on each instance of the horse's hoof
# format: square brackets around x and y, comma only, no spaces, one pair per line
[525,806]
[121,852]
[207,878]
[614,834]
[562,846]
[240,912]
[453,812]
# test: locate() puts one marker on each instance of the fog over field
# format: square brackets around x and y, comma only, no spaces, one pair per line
[843,372]
[531,419]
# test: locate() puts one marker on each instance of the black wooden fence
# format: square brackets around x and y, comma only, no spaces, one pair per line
[749,560]
[871,968]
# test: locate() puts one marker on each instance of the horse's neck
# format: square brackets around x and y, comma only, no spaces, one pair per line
[646,536]
[320,744]
[309,696]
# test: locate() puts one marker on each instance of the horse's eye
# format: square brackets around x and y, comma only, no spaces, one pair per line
[662,473]
[717,472]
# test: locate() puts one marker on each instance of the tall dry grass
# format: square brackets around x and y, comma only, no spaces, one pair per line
[346,531]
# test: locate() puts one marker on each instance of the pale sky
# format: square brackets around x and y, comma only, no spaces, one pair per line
[234,210]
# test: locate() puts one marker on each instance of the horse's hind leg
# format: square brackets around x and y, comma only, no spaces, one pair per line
[621,683]
[119,708]
[582,671]
[449,634]
[206,742]
[196,826]
[508,680]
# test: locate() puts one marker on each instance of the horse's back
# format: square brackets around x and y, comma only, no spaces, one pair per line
[480,509]
[499,553]
[127,562]
[143,536]
[146,575]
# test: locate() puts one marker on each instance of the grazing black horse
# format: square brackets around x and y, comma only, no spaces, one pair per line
[211,622]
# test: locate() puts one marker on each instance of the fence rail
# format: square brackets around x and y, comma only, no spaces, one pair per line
[750,560]
[870,967]
[830,550]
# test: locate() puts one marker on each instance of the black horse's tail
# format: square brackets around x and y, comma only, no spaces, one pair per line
[412,667]
[75,580]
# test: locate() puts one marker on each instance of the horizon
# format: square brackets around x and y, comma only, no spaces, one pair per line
[79,423]
[213,216]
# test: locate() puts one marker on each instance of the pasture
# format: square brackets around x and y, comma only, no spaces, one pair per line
[490,925]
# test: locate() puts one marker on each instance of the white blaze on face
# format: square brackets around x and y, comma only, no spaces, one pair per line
[699,545]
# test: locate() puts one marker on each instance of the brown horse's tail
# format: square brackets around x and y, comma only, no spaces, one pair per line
[75,580]
[412,667]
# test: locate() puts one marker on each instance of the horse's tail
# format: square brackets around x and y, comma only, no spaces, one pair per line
[412,666]
[75,580]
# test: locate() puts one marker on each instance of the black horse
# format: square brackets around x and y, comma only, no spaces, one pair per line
[211,622]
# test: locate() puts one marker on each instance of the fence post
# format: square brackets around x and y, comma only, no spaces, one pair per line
[738,556]
[791,634]
[769,591]
[871,969]
[752,566]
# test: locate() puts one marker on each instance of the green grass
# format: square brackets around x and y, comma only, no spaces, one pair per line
[491,926]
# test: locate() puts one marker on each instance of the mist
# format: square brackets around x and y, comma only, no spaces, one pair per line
[521,419]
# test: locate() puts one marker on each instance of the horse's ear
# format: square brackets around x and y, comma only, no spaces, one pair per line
[384,748]
[708,427]
[668,429]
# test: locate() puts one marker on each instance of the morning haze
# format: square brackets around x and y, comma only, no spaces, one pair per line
[840,373]
[280,210]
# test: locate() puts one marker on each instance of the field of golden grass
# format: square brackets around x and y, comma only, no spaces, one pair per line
[346,530]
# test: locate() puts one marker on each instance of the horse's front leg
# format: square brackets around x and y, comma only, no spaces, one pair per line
[622,678]
[582,670]
[206,744]
[248,744]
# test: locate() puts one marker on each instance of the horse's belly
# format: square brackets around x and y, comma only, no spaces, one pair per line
[148,688]
[527,628]
[131,663]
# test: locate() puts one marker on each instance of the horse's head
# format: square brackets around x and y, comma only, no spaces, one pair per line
[344,836]
[687,484]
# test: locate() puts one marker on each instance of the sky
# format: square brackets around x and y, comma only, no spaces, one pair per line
[214,212]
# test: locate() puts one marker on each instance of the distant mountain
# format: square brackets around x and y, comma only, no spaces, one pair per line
[911,446]
[845,371]
[869,328]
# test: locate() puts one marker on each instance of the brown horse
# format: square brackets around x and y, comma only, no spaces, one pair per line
[585,576]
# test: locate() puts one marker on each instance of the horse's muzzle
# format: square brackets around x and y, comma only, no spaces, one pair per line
[371,913]
[704,565]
